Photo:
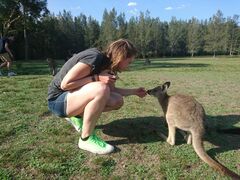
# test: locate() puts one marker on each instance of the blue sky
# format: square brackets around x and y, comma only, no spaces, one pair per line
[164,9]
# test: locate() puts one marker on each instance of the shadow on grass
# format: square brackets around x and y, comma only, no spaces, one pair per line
[31,68]
[33,71]
[224,140]
[41,67]
[146,130]
[139,65]
[135,130]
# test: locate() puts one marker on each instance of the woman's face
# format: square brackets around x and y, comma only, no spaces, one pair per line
[123,65]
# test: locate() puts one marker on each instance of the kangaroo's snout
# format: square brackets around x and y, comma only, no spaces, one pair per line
[149,91]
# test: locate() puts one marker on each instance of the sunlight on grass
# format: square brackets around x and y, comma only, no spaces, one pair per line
[35,144]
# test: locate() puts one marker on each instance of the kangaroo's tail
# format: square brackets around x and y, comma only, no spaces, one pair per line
[199,149]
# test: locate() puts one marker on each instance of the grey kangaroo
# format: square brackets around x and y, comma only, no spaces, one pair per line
[185,113]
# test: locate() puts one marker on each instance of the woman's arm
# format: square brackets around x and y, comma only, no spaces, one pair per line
[77,77]
[141,92]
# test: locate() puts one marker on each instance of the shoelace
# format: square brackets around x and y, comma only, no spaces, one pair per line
[98,141]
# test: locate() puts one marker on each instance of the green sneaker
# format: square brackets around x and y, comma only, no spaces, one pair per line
[76,122]
[95,145]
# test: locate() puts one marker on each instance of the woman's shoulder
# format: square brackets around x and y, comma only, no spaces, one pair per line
[93,51]
[89,53]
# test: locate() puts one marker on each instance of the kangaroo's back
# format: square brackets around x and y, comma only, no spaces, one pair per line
[186,112]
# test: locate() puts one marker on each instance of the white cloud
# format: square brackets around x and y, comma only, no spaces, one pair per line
[181,7]
[178,7]
[169,8]
[76,8]
[133,11]
[132,4]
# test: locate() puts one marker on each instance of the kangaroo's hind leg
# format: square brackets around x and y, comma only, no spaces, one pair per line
[186,135]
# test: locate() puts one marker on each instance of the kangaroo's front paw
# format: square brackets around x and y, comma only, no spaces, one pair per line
[189,139]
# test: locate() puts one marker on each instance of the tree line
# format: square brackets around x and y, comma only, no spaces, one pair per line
[41,34]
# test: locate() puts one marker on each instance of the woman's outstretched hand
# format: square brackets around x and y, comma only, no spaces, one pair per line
[140,92]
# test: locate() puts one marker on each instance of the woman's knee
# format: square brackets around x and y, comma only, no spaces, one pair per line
[119,103]
[102,89]
[116,102]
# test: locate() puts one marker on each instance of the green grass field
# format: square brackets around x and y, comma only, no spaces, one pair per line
[34,144]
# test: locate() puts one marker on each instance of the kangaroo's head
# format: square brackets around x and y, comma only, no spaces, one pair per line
[159,91]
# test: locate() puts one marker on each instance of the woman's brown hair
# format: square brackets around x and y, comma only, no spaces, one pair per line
[118,51]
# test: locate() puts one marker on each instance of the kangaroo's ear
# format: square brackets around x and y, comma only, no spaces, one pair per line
[165,86]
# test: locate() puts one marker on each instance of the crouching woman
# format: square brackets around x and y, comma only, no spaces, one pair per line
[85,87]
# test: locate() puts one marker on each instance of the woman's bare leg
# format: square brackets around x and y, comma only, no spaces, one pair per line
[114,102]
[90,100]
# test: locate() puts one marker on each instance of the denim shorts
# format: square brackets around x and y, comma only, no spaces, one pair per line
[58,105]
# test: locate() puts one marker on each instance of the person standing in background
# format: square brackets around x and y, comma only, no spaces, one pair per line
[6,54]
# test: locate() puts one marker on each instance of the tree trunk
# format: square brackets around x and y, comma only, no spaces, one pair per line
[26,44]
[214,54]
[230,51]
[25,34]
[1,35]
